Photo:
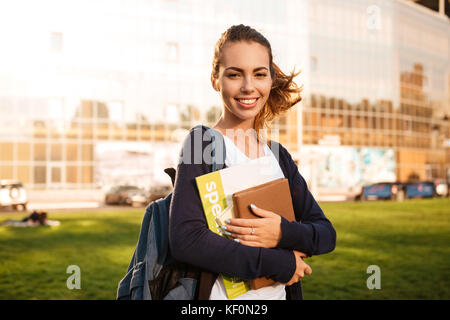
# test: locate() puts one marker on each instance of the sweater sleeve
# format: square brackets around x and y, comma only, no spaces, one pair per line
[192,242]
[313,233]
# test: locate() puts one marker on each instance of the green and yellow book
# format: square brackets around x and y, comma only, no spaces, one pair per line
[216,189]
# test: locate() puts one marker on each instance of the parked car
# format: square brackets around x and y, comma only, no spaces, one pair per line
[127,195]
[158,192]
[441,187]
[383,190]
[13,193]
[421,189]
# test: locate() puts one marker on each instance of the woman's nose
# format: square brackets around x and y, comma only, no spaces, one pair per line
[247,85]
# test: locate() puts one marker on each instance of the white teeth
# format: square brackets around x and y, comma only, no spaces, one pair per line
[247,101]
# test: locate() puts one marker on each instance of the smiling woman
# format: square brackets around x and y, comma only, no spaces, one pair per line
[244,87]
[261,79]
[253,91]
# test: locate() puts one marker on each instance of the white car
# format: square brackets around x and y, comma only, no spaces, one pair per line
[13,193]
[441,187]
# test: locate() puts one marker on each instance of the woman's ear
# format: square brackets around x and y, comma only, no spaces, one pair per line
[215,83]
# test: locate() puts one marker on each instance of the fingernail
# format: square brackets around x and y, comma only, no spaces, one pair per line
[228,233]
[227,221]
[252,206]
[237,240]
[223,227]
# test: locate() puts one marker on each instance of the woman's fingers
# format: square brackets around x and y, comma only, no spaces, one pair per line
[267,228]
[244,237]
[261,212]
[244,226]
[253,222]
[239,230]
[294,279]
[243,222]
[302,268]
[308,270]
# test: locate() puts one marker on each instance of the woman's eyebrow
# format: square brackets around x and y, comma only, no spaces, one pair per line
[240,70]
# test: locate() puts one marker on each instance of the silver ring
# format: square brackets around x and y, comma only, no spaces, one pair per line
[252,231]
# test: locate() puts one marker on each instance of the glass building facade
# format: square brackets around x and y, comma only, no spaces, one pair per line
[380,79]
[81,82]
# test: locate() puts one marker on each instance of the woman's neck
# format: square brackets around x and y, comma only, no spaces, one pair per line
[242,133]
[227,122]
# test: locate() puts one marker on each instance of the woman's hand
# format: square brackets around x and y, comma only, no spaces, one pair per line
[262,232]
[301,269]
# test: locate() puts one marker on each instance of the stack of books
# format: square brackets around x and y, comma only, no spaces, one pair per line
[228,193]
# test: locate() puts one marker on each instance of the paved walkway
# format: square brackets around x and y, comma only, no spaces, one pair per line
[94,199]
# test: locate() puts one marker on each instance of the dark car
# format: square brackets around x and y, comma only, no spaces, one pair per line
[127,195]
[383,190]
[422,189]
[398,191]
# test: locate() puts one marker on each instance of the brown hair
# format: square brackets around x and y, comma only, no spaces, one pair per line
[42,217]
[284,92]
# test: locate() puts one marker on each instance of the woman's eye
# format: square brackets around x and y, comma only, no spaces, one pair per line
[261,75]
[233,75]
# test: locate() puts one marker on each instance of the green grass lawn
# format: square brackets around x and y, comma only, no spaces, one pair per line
[409,241]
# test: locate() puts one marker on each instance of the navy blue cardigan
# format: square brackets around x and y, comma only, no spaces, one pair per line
[192,242]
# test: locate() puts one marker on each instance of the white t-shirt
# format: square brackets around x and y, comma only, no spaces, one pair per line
[234,156]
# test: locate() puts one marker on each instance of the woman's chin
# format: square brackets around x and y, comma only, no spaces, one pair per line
[247,113]
[240,114]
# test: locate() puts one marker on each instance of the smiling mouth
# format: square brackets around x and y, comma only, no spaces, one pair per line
[247,103]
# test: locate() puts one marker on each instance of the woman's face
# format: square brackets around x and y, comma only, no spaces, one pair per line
[244,80]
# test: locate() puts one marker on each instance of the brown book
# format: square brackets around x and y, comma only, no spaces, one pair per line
[273,196]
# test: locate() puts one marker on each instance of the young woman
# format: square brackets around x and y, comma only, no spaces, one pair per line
[254,91]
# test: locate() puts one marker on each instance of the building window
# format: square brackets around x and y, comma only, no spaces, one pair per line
[72,152]
[40,174]
[87,174]
[56,175]
[87,152]
[6,172]
[56,152]
[23,173]
[6,151]
[40,152]
[23,152]
[71,174]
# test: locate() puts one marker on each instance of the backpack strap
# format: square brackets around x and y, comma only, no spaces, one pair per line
[205,284]
[218,151]
[213,153]
[205,279]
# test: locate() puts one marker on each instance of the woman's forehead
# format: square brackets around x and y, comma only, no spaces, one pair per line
[244,55]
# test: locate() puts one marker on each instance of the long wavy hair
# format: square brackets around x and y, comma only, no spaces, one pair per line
[284,92]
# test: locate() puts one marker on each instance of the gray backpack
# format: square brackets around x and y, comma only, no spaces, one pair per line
[152,273]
